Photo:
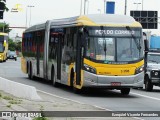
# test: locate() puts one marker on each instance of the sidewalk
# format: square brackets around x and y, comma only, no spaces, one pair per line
[48,103]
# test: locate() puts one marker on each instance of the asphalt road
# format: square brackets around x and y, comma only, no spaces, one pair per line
[137,100]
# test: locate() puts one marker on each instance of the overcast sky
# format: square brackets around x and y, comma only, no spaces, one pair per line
[52,9]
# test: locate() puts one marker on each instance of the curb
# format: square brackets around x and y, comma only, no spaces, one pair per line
[18,89]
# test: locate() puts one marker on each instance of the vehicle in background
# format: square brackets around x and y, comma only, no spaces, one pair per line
[12,55]
[152,74]
[3,46]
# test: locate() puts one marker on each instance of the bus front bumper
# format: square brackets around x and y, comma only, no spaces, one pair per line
[113,82]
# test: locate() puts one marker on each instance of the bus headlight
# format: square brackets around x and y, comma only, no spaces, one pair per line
[139,70]
[89,69]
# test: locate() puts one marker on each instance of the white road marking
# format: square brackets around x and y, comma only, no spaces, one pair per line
[145,96]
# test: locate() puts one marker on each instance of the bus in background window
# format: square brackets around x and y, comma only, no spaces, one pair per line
[104,51]
[3,46]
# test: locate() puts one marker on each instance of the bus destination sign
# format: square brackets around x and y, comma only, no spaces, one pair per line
[115,32]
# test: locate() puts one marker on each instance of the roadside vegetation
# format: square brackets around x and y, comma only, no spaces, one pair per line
[10,100]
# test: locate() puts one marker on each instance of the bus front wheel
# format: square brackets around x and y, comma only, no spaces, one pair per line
[75,90]
[125,91]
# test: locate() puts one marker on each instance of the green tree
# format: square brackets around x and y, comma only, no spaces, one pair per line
[18,46]
[4,28]
[5,7]
[11,45]
[14,45]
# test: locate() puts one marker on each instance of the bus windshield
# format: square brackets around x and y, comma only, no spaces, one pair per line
[1,47]
[111,49]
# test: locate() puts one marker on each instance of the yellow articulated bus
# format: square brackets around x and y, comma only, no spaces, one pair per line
[99,50]
[3,46]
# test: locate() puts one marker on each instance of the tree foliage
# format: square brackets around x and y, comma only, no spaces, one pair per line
[11,45]
[5,7]
[4,28]
[14,45]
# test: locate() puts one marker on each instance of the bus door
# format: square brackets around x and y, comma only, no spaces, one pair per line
[59,55]
[79,58]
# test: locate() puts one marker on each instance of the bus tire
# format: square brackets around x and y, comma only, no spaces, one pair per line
[30,72]
[53,78]
[76,90]
[72,78]
[148,84]
[27,67]
[125,91]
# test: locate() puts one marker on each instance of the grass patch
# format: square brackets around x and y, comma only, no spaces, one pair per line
[7,98]
[15,102]
[11,100]
[0,95]
[40,118]
[9,106]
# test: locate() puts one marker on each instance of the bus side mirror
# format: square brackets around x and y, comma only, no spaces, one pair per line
[146,46]
[4,44]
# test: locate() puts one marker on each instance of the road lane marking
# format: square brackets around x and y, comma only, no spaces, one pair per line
[145,96]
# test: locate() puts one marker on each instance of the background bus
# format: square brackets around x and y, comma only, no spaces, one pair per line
[103,51]
[3,46]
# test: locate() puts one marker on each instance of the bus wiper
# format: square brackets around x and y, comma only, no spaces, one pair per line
[104,41]
[134,38]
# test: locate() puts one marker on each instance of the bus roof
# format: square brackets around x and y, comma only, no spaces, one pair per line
[110,20]
[98,20]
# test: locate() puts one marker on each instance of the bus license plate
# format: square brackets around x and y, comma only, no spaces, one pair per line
[115,83]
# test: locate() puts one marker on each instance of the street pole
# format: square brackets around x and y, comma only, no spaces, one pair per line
[88,7]
[142,5]
[26,17]
[84,7]
[81,8]
[125,10]
[30,15]
[104,6]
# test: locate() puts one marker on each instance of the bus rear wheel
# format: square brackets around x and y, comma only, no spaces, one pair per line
[30,73]
[125,91]
[53,78]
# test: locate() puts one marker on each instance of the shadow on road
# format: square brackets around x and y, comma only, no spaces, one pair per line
[88,92]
